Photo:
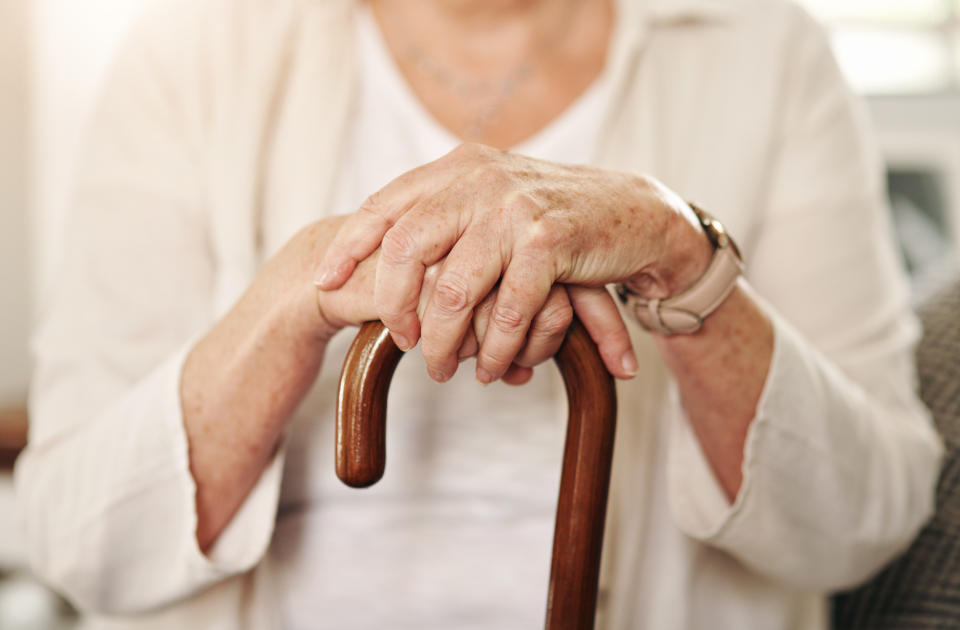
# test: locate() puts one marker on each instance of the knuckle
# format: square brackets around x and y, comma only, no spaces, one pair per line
[521,202]
[451,294]
[554,320]
[539,229]
[374,211]
[399,245]
[549,232]
[405,179]
[507,319]
[374,204]
[471,150]
[538,241]
[391,315]
[517,207]
[488,174]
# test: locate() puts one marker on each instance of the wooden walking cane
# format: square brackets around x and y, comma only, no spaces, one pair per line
[587,456]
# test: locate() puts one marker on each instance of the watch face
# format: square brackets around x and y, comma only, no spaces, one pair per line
[724,239]
[715,231]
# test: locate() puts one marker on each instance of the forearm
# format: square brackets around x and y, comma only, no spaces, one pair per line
[236,400]
[840,460]
[721,368]
[243,380]
[720,373]
[836,478]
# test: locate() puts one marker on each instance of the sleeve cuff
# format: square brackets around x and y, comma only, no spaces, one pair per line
[245,540]
[697,501]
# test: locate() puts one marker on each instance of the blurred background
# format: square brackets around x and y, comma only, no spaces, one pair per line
[902,55]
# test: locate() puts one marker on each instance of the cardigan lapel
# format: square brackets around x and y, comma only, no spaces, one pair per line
[304,158]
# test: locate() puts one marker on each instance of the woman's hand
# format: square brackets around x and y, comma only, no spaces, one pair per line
[488,217]
[353,304]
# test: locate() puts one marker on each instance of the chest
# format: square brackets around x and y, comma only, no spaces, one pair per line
[496,85]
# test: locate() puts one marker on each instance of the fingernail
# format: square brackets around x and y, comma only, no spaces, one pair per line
[323,277]
[437,375]
[484,376]
[629,363]
[402,342]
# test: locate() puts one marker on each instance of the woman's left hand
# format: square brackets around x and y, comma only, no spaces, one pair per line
[492,217]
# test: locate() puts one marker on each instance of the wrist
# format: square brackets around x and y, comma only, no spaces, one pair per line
[301,308]
[324,327]
[684,310]
[686,254]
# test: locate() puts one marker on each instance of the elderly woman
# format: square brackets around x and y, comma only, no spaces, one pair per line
[496,162]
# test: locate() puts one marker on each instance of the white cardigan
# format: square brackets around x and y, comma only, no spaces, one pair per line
[219,136]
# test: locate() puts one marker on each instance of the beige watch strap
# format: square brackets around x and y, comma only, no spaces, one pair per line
[684,313]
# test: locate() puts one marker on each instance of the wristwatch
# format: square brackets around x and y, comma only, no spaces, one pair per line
[684,313]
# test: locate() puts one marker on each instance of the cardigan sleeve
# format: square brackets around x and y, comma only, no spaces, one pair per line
[104,487]
[841,459]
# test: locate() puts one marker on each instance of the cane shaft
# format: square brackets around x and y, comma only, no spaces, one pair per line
[587,457]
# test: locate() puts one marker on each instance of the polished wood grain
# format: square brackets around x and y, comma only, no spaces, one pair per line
[362,406]
[587,457]
[13,436]
[584,483]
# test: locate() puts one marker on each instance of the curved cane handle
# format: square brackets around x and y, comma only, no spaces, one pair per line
[587,456]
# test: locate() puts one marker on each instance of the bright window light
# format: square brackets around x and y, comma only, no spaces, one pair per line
[888,61]
[890,11]
[895,46]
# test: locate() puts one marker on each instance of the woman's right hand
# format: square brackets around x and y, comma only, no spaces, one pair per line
[243,380]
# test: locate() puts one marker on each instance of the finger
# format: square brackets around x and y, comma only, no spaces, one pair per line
[363,230]
[522,294]
[430,275]
[469,347]
[422,237]
[598,313]
[481,314]
[517,375]
[548,329]
[467,275]
[352,304]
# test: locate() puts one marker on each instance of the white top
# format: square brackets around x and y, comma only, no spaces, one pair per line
[224,130]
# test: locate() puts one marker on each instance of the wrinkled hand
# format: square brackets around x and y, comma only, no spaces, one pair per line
[486,217]
[353,305]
